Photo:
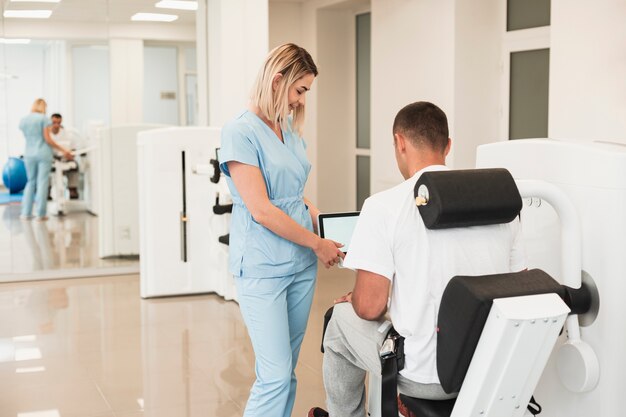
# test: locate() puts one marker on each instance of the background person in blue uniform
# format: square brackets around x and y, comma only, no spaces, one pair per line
[273,247]
[38,160]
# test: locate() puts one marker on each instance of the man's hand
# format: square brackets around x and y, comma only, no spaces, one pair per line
[344,299]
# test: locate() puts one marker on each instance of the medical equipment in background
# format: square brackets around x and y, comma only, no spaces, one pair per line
[62,203]
[219,208]
[592,176]
[115,186]
[91,134]
[179,230]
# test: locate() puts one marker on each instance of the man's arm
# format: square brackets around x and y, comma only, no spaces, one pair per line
[48,138]
[370,294]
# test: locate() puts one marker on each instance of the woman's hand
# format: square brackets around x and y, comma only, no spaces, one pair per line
[327,251]
[68,155]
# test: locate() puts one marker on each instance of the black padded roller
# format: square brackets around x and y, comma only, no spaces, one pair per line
[472,197]
[464,309]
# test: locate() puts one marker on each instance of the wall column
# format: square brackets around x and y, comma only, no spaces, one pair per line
[233,38]
[126,60]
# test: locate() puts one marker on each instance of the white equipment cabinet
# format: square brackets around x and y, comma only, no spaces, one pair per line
[593,176]
[115,189]
[180,252]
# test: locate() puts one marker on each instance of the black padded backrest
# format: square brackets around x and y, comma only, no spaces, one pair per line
[470,197]
[464,308]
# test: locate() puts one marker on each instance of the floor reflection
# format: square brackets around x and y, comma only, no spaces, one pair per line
[93,348]
[68,242]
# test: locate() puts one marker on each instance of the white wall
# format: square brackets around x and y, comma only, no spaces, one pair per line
[588,70]
[4,127]
[24,83]
[325,106]
[413,59]
[160,75]
[285,23]
[478,58]
[126,68]
[90,85]
[336,130]
[93,32]
[35,29]
[202,62]
[237,45]
[54,76]
[450,52]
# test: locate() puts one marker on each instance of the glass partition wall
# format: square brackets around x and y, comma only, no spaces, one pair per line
[69,62]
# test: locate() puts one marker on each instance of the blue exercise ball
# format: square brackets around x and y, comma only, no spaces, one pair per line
[14,175]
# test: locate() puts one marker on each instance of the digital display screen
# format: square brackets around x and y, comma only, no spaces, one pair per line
[338,227]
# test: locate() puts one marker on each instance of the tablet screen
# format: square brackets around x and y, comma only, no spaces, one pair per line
[338,227]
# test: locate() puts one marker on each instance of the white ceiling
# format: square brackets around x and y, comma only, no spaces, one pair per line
[118,11]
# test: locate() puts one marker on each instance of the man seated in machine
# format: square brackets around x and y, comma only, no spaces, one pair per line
[58,133]
[396,256]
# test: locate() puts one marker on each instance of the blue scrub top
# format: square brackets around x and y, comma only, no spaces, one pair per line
[36,146]
[255,251]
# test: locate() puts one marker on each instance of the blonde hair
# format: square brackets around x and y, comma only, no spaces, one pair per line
[39,106]
[292,62]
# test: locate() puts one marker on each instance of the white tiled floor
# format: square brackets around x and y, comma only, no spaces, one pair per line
[93,348]
[61,243]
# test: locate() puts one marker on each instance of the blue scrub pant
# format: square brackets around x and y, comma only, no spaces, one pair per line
[38,175]
[275,311]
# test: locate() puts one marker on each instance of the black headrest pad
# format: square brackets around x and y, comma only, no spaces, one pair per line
[464,308]
[470,197]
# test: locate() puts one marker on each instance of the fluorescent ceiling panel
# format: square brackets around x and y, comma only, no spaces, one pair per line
[30,370]
[28,14]
[27,354]
[45,413]
[14,42]
[177,4]
[35,1]
[153,17]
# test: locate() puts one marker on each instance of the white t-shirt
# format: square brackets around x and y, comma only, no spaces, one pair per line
[68,139]
[390,239]
[61,138]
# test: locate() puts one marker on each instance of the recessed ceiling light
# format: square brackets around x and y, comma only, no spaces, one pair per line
[177,4]
[30,370]
[28,14]
[153,17]
[35,1]
[14,42]
[27,354]
[44,413]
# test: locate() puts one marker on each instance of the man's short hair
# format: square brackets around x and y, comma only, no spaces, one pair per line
[424,124]
[56,116]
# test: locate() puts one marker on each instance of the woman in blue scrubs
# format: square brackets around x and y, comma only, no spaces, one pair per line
[38,160]
[273,247]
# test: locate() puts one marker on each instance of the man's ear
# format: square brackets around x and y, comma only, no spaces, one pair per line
[400,142]
[448,147]
[276,80]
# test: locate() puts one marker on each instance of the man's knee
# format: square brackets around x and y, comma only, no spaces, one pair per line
[343,313]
